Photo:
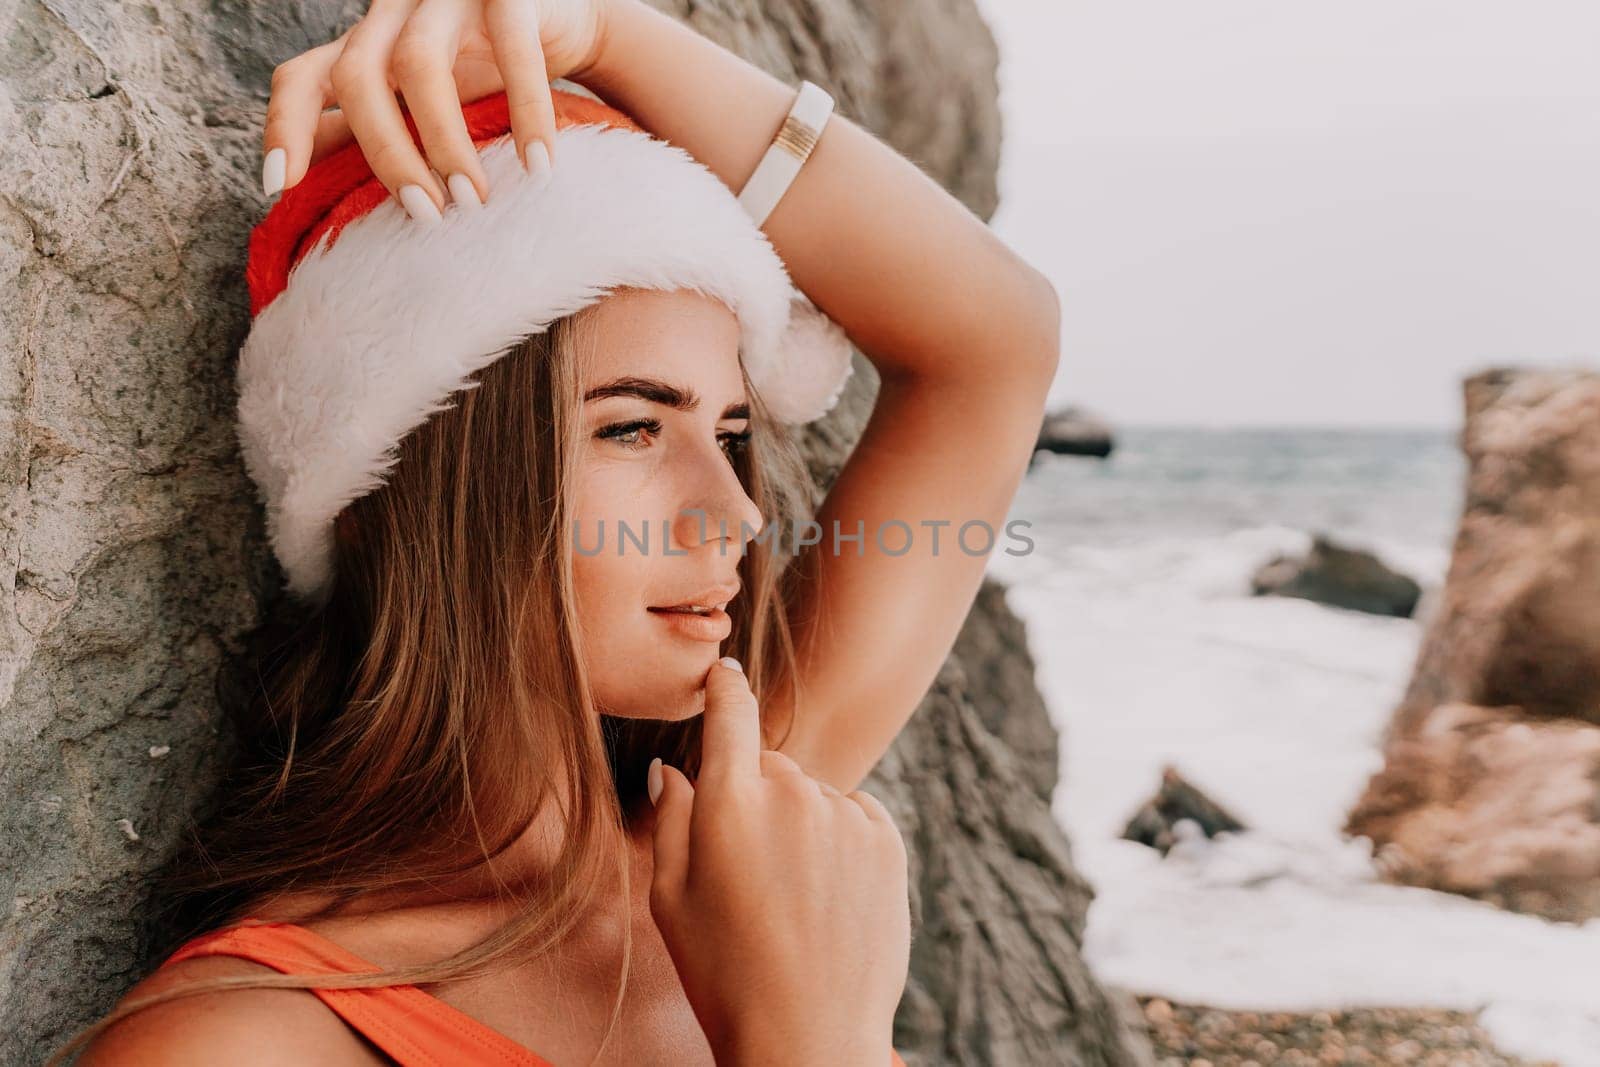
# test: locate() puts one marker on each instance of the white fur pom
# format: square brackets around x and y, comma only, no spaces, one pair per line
[814,369]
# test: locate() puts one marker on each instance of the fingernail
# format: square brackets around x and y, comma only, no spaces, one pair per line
[463,192]
[538,163]
[652,780]
[418,204]
[272,171]
[732,664]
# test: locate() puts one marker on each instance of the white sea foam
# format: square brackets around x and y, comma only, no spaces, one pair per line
[1151,651]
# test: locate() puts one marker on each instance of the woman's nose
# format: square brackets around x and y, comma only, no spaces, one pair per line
[719,510]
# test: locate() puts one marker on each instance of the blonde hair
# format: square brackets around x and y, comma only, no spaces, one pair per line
[408,729]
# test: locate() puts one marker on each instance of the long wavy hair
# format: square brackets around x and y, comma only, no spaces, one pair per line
[414,725]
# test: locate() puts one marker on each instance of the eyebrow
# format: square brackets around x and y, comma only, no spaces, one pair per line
[660,392]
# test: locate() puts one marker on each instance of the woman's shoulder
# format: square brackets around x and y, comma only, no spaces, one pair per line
[249,1027]
[272,1027]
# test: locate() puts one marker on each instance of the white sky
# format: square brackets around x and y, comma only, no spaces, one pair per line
[1284,213]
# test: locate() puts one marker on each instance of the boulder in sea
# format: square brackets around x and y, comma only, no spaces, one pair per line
[1074,432]
[1341,577]
[1492,803]
[1491,777]
[1178,800]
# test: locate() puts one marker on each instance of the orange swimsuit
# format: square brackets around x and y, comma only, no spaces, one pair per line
[414,1028]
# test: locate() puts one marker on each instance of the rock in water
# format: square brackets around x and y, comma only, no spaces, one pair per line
[1340,577]
[1074,432]
[132,553]
[1491,780]
[1177,800]
[1493,804]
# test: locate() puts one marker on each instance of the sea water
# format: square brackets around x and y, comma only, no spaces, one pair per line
[1151,651]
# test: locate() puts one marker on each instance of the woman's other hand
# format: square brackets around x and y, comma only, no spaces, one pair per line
[782,901]
[437,55]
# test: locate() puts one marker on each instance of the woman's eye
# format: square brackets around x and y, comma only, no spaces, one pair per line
[626,434]
[735,443]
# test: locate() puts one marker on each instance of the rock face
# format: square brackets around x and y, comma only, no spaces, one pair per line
[1075,432]
[133,557]
[998,909]
[1341,577]
[1491,783]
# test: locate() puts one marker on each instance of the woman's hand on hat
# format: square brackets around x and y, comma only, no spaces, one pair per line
[437,55]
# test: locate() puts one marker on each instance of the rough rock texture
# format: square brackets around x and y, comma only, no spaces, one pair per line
[1491,783]
[1341,577]
[998,909]
[131,551]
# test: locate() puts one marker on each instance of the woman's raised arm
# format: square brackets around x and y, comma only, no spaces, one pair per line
[920,284]
[963,333]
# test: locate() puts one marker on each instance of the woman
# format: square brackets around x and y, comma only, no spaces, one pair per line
[440,789]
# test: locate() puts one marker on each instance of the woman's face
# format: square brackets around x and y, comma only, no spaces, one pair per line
[661,518]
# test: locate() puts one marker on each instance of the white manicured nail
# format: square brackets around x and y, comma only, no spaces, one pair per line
[539,163]
[732,664]
[418,204]
[463,192]
[652,780]
[272,171]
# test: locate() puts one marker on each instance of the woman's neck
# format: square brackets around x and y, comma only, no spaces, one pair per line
[491,884]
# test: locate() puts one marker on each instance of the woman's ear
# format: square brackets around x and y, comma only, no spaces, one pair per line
[345,528]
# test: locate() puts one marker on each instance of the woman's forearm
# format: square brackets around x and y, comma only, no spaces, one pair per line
[920,284]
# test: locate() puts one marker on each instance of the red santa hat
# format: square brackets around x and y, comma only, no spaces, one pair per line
[365,322]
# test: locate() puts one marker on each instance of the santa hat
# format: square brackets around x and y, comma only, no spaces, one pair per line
[365,322]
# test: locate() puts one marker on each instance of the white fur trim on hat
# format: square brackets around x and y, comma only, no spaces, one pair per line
[374,334]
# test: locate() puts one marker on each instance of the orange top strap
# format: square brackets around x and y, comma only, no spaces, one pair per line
[414,1028]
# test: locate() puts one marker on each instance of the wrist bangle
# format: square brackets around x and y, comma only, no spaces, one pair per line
[789,149]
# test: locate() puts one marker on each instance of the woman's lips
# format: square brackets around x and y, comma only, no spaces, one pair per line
[714,625]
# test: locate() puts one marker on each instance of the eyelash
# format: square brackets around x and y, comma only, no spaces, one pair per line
[617,430]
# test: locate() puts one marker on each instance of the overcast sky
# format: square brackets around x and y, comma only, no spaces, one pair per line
[1265,212]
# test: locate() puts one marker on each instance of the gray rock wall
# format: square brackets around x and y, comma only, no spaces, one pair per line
[131,550]
[129,543]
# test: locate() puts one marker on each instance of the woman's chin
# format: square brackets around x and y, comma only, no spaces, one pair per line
[664,707]
[657,713]
[669,689]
